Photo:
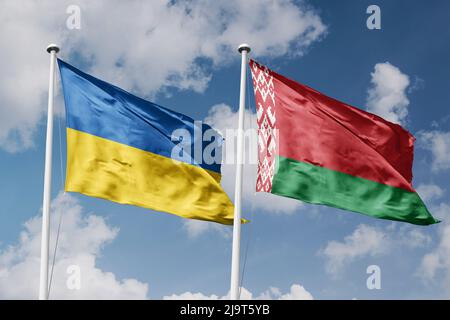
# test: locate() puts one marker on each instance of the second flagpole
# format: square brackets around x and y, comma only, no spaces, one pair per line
[244,49]
[43,279]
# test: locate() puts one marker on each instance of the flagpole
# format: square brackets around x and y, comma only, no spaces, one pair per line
[244,49]
[43,279]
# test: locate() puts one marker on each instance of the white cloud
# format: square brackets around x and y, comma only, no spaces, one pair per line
[272,28]
[435,265]
[365,240]
[438,143]
[25,31]
[222,118]
[429,192]
[143,46]
[191,296]
[81,241]
[368,241]
[296,292]
[387,96]
[194,228]
[225,120]
[245,295]
[411,238]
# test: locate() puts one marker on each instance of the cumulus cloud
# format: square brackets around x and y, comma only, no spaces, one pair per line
[195,228]
[429,192]
[365,240]
[387,95]
[434,269]
[245,295]
[296,292]
[368,241]
[25,31]
[81,241]
[143,46]
[438,143]
[435,265]
[225,120]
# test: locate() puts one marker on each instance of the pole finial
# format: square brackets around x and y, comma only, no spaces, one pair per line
[52,47]
[244,47]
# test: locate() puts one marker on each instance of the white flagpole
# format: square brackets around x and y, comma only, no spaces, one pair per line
[43,280]
[244,49]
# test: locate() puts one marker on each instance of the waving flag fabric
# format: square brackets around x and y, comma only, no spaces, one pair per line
[322,151]
[128,150]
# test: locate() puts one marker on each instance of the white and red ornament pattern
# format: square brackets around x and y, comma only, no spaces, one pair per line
[266,117]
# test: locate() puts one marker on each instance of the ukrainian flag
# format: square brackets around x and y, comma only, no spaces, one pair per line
[128,150]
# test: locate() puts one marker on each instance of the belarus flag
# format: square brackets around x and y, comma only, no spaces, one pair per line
[323,151]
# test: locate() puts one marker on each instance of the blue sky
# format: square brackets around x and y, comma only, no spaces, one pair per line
[185,59]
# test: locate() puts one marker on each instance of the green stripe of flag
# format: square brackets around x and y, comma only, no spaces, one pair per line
[319,185]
